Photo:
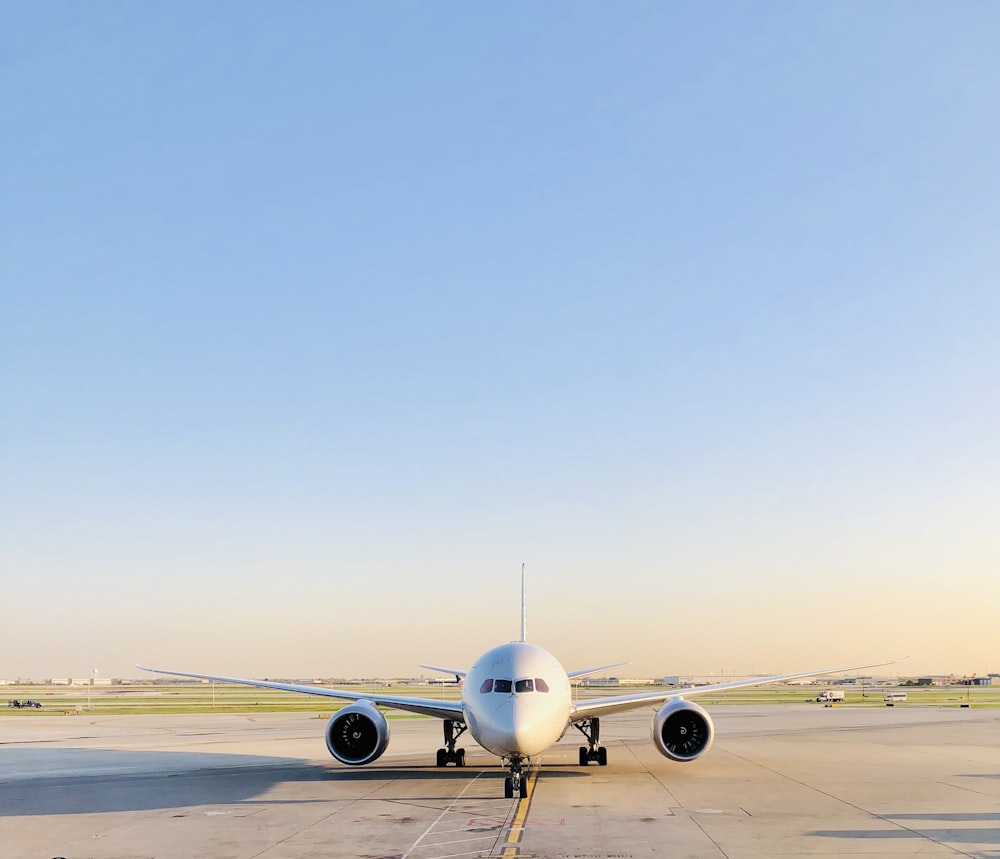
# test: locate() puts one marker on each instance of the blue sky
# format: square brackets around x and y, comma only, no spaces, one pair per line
[319,319]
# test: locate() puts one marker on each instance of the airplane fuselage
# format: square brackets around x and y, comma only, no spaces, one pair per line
[516,700]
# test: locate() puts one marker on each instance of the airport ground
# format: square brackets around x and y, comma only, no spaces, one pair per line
[789,779]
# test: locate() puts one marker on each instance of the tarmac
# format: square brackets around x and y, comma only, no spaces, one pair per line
[781,780]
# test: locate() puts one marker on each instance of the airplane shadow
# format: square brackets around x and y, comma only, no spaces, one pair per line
[979,835]
[389,773]
[989,833]
[94,781]
[952,816]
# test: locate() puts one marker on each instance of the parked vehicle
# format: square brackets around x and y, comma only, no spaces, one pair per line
[830,695]
[894,697]
[18,705]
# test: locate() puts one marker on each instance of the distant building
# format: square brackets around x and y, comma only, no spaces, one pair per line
[952,680]
[600,681]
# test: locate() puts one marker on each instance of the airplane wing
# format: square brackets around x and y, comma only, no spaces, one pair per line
[424,706]
[584,672]
[459,675]
[589,708]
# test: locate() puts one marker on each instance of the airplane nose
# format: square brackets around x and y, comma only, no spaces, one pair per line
[525,730]
[524,737]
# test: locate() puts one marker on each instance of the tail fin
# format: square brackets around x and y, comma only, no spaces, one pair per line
[524,610]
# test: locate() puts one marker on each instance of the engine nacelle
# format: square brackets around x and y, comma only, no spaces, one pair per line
[357,734]
[681,730]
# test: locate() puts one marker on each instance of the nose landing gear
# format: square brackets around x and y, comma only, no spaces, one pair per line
[516,783]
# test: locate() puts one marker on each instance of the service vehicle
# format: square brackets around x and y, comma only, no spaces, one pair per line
[830,695]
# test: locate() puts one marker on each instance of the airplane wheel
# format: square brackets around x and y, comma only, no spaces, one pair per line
[602,757]
[442,757]
[524,788]
[508,788]
[460,757]
[583,756]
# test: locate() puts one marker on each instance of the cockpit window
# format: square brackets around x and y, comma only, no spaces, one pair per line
[507,686]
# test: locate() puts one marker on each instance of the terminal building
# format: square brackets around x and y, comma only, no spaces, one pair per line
[952,680]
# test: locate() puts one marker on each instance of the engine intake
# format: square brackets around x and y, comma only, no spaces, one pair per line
[357,734]
[681,730]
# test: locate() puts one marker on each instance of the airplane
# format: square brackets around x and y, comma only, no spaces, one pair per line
[516,702]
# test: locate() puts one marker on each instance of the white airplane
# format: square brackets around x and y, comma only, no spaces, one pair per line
[516,702]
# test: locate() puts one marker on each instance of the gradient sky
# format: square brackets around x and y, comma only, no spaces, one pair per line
[319,319]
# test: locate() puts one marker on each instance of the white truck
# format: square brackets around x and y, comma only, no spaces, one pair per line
[895,697]
[830,696]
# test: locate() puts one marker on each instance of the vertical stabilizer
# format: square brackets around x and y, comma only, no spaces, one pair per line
[524,610]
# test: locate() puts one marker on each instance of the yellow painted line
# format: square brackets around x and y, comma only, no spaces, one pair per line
[517,825]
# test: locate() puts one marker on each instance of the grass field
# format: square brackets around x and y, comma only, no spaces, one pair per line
[227,698]
[189,698]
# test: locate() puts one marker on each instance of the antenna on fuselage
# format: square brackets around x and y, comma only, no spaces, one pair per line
[524,610]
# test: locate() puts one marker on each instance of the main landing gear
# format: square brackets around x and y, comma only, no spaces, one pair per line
[516,782]
[593,751]
[450,755]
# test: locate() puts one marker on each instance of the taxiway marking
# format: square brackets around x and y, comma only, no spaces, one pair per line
[458,806]
[511,848]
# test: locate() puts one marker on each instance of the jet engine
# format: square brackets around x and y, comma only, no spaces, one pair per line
[357,734]
[681,730]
